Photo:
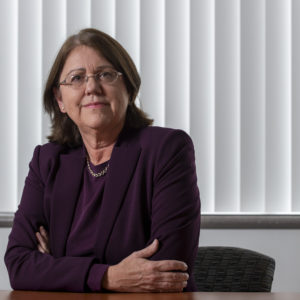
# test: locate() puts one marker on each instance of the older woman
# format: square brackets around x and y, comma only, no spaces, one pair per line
[117,196]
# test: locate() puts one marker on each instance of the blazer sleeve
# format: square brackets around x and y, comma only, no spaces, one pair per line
[29,269]
[176,202]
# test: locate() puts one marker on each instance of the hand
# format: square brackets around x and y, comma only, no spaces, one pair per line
[135,273]
[43,240]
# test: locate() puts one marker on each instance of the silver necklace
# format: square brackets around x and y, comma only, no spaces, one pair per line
[103,172]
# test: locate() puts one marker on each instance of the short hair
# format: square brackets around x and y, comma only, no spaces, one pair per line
[63,130]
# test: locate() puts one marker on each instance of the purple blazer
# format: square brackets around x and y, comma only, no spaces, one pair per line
[150,192]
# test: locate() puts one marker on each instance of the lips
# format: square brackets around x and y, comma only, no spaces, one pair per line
[95,104]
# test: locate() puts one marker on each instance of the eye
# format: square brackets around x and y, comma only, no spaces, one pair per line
[76,78]
[107,75]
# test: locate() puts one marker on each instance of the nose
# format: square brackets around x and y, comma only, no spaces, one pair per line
[92,86]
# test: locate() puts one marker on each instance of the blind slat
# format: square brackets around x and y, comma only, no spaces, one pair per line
[103,15]
[78,15]
[202,98]
[177,61]
[153,62]
[252,105]
[52,37]
[128,27]
[9,107]
[29,84]
[227,106]
[295,106]
[278,105]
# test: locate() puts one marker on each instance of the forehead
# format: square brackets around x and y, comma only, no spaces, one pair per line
[84,57]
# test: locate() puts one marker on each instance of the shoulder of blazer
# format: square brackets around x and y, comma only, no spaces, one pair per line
[154,135]
[46,157]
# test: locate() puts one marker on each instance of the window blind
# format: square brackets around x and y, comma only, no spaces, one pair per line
[224,71]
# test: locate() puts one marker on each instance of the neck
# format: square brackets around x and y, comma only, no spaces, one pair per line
[99,145]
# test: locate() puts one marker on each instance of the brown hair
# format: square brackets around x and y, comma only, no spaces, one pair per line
[64,130]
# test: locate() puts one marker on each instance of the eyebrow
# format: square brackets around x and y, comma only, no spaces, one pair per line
[96,69]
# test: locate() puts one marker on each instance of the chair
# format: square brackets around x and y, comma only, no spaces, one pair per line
[230,269]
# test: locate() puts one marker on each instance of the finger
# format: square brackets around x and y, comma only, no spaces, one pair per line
[45,237]
[41,249]
[148,251]
[42,243]
[40,239]
[44,233]
[172,276]
[171,286]
[177,278]
[165,287]
[170,265]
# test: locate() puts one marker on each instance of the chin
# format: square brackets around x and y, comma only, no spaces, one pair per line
[99,125]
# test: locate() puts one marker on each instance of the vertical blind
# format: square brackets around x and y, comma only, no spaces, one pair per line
[226,72]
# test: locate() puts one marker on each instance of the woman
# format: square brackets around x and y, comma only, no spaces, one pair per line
[117,197]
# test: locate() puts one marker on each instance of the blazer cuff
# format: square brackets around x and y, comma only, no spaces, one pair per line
[95,276]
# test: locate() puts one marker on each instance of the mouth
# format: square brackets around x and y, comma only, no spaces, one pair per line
[95,104]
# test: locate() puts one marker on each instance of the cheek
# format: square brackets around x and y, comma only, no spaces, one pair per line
[125,101]
[121,101]
[124,104]
[125,98]
[71,99]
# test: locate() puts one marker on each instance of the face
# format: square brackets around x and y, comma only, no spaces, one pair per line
[94,105]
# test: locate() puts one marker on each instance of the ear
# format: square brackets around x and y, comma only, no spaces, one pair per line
[58,98]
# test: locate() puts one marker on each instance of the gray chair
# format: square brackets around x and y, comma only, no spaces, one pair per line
[230,269]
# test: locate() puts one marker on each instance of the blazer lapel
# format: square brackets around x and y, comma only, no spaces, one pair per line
[121,169]
[65,195]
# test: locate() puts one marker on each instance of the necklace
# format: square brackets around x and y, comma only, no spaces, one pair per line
[103,172]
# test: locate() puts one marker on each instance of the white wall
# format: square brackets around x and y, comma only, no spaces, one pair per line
[282,245]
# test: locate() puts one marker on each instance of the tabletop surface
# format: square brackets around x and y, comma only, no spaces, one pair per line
[28,295]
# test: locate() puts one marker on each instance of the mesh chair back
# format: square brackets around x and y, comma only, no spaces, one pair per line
[230,269]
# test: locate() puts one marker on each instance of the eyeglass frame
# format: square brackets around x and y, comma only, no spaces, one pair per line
[86,78]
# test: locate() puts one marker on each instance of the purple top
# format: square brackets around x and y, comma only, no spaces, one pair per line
[83,236]
[150,192]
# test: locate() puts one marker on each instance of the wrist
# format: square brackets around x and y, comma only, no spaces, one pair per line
[95,277]
[109,281]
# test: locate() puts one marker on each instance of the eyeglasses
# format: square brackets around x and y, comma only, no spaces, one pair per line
[79,79]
